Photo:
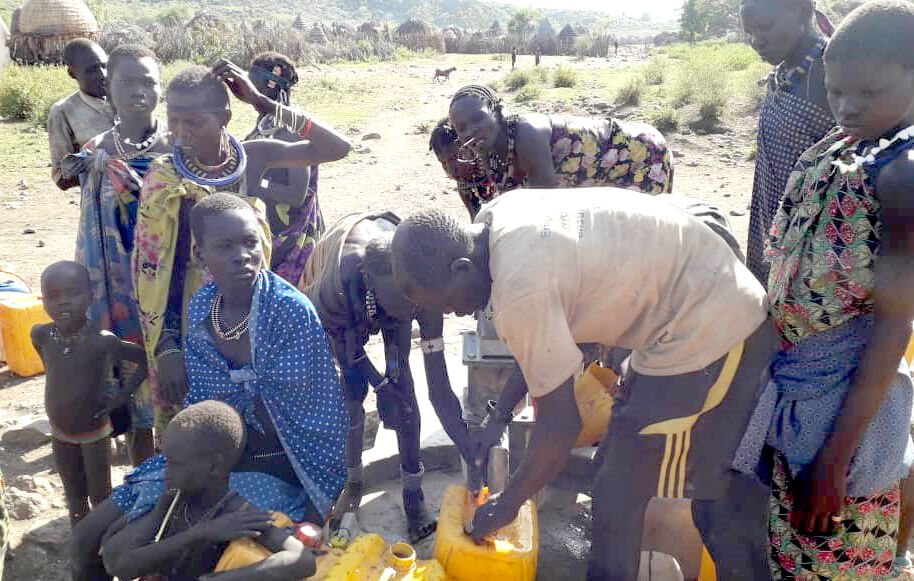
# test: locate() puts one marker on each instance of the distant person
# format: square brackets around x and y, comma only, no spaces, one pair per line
[616,45]
[79,358]
[537,57]
[116,165]
[76,119]
[192,524]
[513,57]
[795,113]
[559,151]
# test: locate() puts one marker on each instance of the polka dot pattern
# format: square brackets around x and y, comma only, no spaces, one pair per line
[293,371]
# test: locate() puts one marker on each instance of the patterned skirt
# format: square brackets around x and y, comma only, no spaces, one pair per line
[861,547]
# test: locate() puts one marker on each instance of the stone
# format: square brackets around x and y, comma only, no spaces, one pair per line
[23,185]
[737,212]
[677,154]
[40,244]
[53,535]
[30,483]
[28,231]
[28,432]
[25,505]
[353,131]
[369,136]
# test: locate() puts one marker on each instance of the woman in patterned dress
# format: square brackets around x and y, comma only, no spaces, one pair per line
[795,113]
[559,151]
[835,417]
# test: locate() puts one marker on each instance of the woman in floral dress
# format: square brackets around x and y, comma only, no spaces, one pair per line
[545,151]
[831,430]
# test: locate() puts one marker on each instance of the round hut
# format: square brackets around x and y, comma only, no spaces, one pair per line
[317,35]
[417,35]
[298,23]
[43,27]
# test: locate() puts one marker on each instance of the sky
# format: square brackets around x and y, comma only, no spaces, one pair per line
[664,9]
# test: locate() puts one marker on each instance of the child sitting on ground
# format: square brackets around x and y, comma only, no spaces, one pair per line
[79,360]
[185,535]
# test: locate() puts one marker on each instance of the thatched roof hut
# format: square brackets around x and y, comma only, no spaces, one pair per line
[567,36]
[343,30]
[317,34]
[370,30]
[546,40]
[495,30]
[43,27]
[298,23]
[417,34]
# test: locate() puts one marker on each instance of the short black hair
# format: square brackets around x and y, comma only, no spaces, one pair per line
[377,259]
[68,267]
[211,427]
[880,31]
[200,80]
[485,93]
[76,49]
[128,52]
[443,136]
[269,59]
[425,245]
[211,205]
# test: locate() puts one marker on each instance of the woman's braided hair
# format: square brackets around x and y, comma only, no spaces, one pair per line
[487,94]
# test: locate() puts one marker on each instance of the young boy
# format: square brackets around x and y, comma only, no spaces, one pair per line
[190,527]
[474,185]
[75,120]
[117,161]
[79,360]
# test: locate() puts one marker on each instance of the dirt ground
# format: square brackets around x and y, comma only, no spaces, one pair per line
[398,173]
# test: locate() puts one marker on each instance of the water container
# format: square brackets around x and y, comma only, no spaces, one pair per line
[369,558]
[509,556]
[17,317]
[11,286]
[592,392]
[909,353]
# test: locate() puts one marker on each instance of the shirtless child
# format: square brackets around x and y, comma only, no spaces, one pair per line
[185,541]
[79,360]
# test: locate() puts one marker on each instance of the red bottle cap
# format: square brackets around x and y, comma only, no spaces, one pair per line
[309,534]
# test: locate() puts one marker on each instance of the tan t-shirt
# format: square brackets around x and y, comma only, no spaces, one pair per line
[610,266]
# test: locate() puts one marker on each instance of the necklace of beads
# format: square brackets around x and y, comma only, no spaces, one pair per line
[66,343]
[231,170]
[126,149]
[215,317]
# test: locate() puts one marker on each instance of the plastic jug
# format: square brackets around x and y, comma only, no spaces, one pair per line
[11,286]
[17,317]
[510,556]
[369,558]
[592,392]
[909,353]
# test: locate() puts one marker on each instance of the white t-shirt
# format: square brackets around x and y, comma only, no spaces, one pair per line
[610,266]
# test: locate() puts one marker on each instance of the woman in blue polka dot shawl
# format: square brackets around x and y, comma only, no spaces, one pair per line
[289,395]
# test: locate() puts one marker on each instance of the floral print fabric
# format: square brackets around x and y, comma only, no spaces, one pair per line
[861,547]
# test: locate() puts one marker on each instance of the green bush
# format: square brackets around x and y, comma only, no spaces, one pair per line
[665,120]
[518,79]
[655,72]
[564,77]
[630,94]
[27,93]
[542,74]
[698,78]
[711,108]
[528,94]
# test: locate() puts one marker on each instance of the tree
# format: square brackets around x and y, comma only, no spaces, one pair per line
[690,21]
[523,22]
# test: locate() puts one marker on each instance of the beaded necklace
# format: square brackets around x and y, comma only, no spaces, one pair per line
[231,170]
[215,317]
[66,343]
[785,79]
[128,150]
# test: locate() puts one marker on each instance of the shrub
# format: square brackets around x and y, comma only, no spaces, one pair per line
[518,79]
[696,79]
[27,93]
[711,108]
[665,120]
[542,74]
[527,94]
[564,77]
[655,72]
[630,94]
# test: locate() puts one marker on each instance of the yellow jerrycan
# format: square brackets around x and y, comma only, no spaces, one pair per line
[510,555]
[17,317]
[368,558]
[592,392]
